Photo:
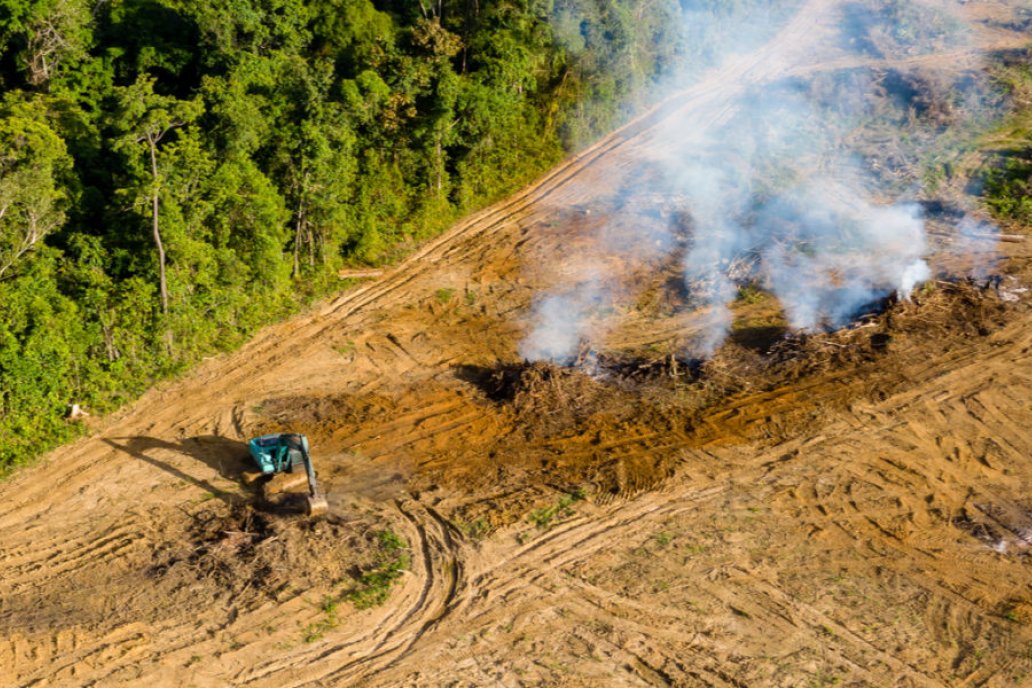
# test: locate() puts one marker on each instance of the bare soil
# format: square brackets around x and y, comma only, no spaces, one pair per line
[845,508]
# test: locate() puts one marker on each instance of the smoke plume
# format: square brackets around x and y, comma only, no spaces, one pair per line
[777,200]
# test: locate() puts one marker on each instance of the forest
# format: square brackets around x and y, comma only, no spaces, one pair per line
[174,174]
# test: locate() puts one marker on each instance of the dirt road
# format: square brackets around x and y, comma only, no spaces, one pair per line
[860,518]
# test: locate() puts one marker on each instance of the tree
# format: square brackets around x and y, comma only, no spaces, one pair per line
[59,32]
[438,46]
[232,28]
[314,159]
[147,119]
[321,178]
[33,158]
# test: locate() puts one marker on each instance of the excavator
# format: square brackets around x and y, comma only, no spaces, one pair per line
[277,456]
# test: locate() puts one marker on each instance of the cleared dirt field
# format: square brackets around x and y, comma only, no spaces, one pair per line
[843,509]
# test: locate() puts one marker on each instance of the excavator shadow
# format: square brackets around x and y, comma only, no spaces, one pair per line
[228,457]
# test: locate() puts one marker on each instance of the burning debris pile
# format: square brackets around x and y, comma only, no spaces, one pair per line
[551,398]
[543,386]
[939,313]
[531,385]
[640,370]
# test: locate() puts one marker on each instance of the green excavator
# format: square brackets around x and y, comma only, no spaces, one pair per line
[277,457]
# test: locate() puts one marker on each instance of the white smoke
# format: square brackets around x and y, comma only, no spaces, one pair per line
[775,200]
[976,242]
[774,182]
[563,322]
[843,252]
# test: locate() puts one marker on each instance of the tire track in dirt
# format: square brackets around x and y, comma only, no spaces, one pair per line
[429,595]
[515,577]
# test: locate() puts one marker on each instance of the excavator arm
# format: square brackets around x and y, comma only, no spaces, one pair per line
[316,502]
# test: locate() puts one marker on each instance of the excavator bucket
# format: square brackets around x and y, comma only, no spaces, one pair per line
[317,505]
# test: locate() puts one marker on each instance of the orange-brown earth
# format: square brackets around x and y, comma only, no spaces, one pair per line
[849,508]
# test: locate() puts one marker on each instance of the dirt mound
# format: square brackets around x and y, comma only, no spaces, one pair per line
[253,555]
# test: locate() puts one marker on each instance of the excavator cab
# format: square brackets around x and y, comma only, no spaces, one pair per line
[283,452]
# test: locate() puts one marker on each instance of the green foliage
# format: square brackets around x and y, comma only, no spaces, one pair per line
[374,586]
[317,630]
[476,529]
[1008,188]
[1008,179]
[544,517]
[174,175]
[347,349]
[749,293]
[33,162]
[43,359]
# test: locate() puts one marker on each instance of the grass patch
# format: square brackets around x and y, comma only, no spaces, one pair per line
[371,589]
[317,630]
[545,517]
[475,530]
[444,295]
[1007,183]
[1008,188]
[347,349]
[374,587]
[749,293]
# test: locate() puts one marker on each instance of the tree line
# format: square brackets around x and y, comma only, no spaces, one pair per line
[175,174]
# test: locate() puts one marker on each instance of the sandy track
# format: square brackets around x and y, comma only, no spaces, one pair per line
[887,547]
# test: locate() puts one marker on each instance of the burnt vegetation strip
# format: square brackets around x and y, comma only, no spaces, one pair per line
[550,399]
